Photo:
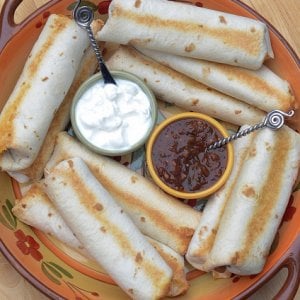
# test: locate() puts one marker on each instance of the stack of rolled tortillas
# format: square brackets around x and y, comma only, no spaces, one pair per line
[197,59]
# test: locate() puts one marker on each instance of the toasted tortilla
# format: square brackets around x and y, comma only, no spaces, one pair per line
[261,88]
[188,30]
[257,203]
[45,80]
[87,67]
[204,237]
[176,88]
[106,231]
[155,213]
[36,209]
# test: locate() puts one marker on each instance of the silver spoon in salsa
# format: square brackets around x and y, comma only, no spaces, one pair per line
[274,120]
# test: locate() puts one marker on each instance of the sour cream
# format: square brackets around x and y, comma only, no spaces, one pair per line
[114,117]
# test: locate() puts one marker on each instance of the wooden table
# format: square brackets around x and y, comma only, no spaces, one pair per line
[284,15]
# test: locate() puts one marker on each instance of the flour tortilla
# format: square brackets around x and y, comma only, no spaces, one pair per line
[179,283]
[155,213]
[87,67]
[204,237]
[107,232]
[261,88]
[188,30]
[174,87]
[45,80]
[36,209]
[257,203]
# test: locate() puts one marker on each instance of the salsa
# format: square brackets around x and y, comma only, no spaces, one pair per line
[180,159]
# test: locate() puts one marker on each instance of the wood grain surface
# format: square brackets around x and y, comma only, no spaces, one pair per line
[284,16]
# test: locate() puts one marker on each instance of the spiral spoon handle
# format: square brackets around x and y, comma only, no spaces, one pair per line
[274,120]
[84,16]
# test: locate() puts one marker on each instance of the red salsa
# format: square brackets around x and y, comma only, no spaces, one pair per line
[179,156]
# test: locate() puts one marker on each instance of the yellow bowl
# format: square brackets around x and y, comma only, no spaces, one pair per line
[183,194]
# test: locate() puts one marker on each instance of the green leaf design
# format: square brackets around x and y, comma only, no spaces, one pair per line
[4,222]
[53,270]
[10,207]
[8,216]
[51,277]
[61,269]
[83,3]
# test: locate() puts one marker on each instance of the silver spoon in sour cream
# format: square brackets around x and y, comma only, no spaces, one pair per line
[84,16]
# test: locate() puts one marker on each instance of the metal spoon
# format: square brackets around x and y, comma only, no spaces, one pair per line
[274,120]
[84,16]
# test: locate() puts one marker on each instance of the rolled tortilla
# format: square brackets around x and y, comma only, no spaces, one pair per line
[107,232]
[188,30]
[36,209]
[176,88]
[45,80]
[205,234]
[261,88]
[155,213]
[179,284]
[257,203]
[87,67]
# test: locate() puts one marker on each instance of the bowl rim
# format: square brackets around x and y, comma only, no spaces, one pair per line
[121,75]
[189,195]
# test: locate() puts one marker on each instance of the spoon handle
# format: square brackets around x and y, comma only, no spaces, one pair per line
[274,120]
[84,16]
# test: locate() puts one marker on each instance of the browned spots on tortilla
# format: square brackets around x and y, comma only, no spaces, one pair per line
[88,200]
[252,152]
[49,215]
[11,110]
[235,38]
[222,20]
[138,258]
[45,78]
[268,146]
[130,291]
[235,258]
[8,114]
[206,71]
[143,219]
[252,29]
[202,231]
[24,205]
[134,179]
[251,80]
[98,207]
[103,229]
[70,163]
[237,112]
[182,235]
[190,47]
[195,102]
[74,37]
[248,191]
[268,194]
[137,3]
[139,42]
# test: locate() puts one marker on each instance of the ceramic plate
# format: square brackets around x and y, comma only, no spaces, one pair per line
[60,273]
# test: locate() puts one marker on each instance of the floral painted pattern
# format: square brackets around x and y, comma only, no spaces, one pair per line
[28,245]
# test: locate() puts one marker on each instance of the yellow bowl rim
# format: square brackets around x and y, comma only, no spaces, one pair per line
[166,188]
